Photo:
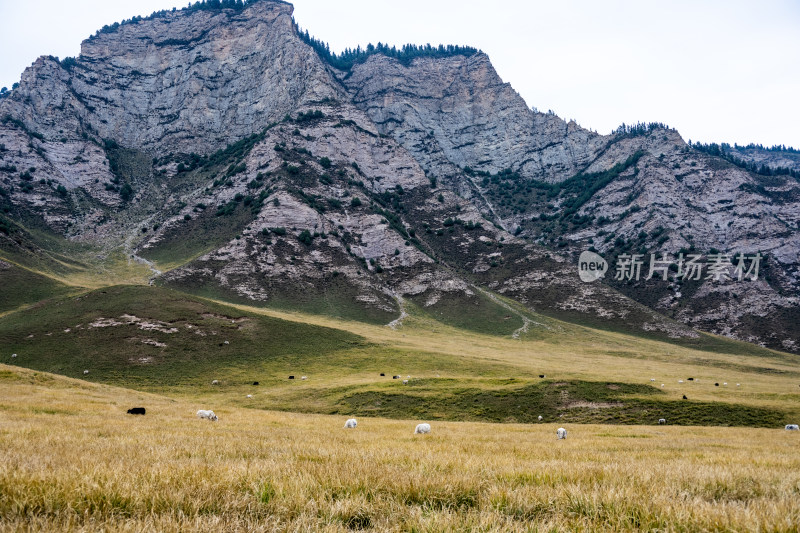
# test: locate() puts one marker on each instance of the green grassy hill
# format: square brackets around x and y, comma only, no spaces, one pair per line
[21,286]
[160,340]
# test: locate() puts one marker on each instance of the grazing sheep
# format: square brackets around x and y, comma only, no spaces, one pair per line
[405,382]
[207,414]
[395,377]
[540,418]
[662,421]
[422,429]
[85,372]
[738,384]
[137,411]
[680,381]
[13,356]
[652,379]
[725,384]
[792,427]
[304,378]
[249,395]
[351,423]
[215,382]
[662,384]
[226,343]
[561,433]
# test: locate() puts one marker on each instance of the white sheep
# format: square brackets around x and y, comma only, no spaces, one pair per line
[304,378]
[351,423]
[540,418]
[215,382]
[249,395]
[561,433]
[85,372]
[422,429]
[652,379]
[13,356]
[792,427]
[662,421]
[405,382]
[207,414]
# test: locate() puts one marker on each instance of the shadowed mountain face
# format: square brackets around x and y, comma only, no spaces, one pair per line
[218,147]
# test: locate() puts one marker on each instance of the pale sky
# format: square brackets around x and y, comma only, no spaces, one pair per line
[724,71]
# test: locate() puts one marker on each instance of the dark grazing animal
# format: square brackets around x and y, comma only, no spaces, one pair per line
[684,397]
[291,377]
[136,411]
[255,383]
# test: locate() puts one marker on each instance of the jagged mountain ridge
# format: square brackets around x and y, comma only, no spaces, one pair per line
[185,83]
[678,197]
[396,136]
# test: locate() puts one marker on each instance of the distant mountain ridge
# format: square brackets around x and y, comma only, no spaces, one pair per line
[221,144]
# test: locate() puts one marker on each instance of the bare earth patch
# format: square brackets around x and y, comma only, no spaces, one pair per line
[143,324]
[592,405]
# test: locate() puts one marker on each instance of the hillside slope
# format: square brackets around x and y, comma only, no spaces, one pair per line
[162,341]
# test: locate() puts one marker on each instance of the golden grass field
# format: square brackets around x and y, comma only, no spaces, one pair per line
[72,460]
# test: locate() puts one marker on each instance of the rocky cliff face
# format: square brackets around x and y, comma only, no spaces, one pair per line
[457,111]
[677,200]
[455,115]
[221,147]
[179,82]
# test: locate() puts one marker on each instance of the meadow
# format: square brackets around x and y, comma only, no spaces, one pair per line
[72,460]
[167,342]
[278,459]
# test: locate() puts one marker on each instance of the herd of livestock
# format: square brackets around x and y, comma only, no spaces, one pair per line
[423,428]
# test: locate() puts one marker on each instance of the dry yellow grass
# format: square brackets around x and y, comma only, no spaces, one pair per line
[114,269]
[72,460]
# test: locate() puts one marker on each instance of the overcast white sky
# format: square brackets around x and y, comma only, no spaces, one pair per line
[716,70]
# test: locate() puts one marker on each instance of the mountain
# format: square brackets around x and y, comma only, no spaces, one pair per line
[231,156]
